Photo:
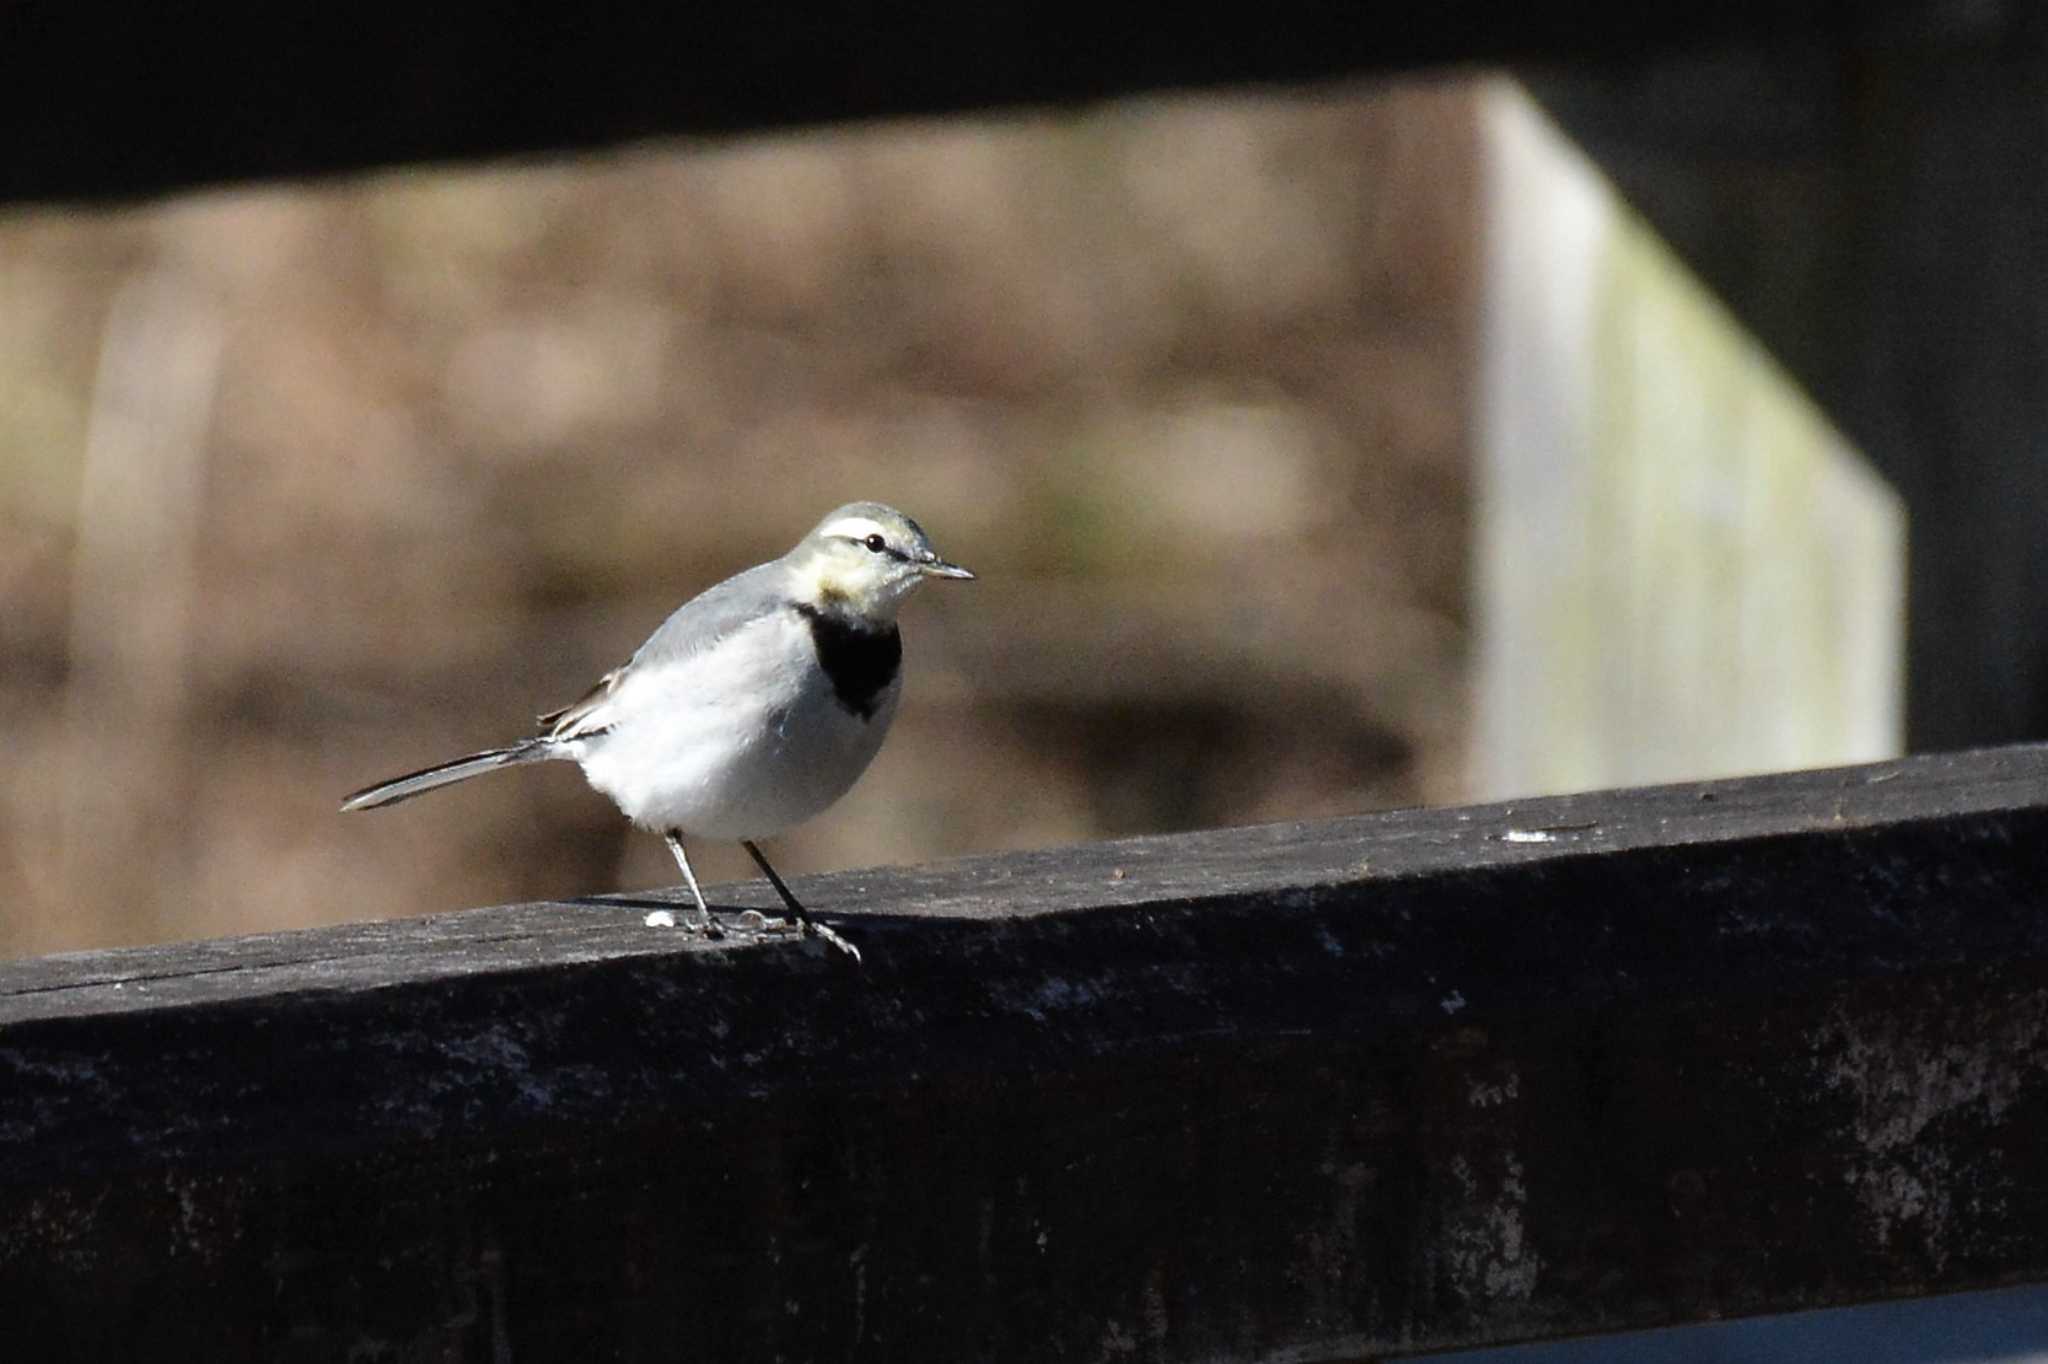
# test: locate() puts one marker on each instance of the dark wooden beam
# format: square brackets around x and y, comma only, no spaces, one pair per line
[1419,1079]
[110,99]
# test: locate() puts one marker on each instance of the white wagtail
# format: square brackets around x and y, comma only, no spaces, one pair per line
[753,707]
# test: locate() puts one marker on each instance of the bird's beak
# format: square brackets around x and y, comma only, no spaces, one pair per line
[939,568]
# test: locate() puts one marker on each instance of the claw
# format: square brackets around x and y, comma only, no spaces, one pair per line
[830,936]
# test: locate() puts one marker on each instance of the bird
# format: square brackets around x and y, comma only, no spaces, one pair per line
[753,707]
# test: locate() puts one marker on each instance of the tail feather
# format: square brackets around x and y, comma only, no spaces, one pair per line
[447,774]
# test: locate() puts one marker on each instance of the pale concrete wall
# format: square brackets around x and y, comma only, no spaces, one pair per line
[1681,567]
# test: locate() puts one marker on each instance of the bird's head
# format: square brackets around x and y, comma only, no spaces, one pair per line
[864,559]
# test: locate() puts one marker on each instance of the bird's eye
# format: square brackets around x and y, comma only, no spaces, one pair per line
[876,543]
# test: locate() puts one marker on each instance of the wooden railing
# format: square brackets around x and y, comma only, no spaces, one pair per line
[1324,1091]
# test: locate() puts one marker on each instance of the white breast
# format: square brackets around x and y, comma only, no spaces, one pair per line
[741,741]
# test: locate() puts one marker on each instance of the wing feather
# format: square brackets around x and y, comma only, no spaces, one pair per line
[695,626]
[580,718]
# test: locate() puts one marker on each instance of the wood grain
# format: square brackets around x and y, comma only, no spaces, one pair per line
[1404,1081]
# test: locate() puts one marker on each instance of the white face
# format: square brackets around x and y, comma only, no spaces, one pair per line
[871,563]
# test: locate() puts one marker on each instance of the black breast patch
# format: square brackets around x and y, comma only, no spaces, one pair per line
[860,659]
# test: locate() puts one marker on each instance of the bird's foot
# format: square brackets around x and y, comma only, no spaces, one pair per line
[751,923]
[666,918]
[830,935]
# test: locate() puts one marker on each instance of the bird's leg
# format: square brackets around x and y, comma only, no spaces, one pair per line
[674,839]
[796,911]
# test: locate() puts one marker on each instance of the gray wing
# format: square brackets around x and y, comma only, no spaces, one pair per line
[691,628]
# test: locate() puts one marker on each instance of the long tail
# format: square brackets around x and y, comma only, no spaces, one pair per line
[448,773]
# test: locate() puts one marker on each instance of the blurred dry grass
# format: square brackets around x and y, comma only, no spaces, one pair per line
[302,486]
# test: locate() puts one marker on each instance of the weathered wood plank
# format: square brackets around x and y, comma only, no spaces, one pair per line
[1410,1080]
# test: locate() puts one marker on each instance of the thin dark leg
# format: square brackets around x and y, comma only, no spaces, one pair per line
[796,911]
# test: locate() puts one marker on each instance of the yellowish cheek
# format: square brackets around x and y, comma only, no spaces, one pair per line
[821,587]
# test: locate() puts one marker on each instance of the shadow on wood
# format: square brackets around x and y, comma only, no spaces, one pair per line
[1406,1081]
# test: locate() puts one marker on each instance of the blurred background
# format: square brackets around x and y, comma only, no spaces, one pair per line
[1328,447]
[305,485]
[1319,451]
